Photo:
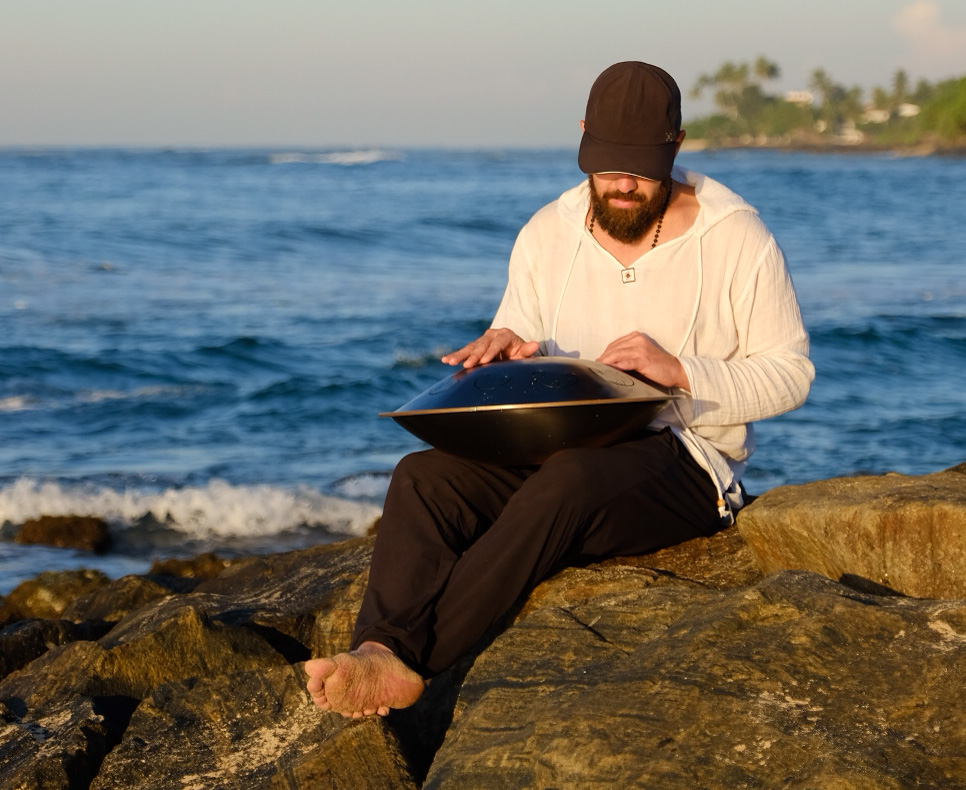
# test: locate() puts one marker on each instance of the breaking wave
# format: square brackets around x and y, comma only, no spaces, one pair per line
[216,510]
[366,156]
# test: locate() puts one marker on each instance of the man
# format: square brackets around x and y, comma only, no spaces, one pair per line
[668,274]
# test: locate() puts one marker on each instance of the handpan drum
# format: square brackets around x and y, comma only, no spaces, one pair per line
[519,412]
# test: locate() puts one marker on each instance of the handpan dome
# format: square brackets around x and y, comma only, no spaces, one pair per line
[521,411]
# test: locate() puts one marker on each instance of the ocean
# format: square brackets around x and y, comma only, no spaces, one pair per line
[196,344]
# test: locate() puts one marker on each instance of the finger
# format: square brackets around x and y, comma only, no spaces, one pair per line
[492,351]
[613,348]
[631,337]
[613,356]
[455,357]
[486,349]
[525,350]
[471,352]
[471,358]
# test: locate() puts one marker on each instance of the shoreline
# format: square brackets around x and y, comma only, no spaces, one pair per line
[922,149]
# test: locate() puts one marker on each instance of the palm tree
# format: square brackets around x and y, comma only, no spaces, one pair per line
[738,86]
[839,105]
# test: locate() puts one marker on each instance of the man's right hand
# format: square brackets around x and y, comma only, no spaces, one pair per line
[494,344]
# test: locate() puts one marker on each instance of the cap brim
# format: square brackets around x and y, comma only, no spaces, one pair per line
[653,162]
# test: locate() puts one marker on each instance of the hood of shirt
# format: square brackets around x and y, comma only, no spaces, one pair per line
[715,199]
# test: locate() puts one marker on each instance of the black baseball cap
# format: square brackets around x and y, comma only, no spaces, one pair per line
[632,122]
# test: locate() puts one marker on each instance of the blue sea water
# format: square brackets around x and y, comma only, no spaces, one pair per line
[195,345]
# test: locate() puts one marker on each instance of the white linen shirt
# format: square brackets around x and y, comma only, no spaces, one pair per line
[720,298]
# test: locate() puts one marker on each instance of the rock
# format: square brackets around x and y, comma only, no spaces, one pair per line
[96,685]
[903,533]
[49,594]
[309,597]
[256,729]
[61,748]
[116,599]
[26,640]
[722,561]
[247,621]
[204,566]
[170,641]
[685,668]
[796,682]
[70,532]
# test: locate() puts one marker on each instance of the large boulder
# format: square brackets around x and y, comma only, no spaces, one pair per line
[69,700]
[900,532]
[71,705]
[650,682]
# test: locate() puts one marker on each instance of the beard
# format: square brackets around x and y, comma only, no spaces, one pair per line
[627,225]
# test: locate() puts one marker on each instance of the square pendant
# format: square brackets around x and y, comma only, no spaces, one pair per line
[628,275]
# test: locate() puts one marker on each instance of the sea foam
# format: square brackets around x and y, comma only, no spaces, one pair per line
[217,509]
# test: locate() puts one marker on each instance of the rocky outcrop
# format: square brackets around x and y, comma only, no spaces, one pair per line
[85,533]
[249,729]
[797,681]
[686,668]
[900,532]
[49,594]
[231,648]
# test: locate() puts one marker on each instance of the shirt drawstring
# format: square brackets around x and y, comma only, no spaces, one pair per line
[563,290]
[725,510]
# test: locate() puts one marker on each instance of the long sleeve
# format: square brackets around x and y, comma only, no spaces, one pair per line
[769,371]
[520,307]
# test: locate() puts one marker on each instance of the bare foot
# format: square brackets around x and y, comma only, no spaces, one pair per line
[370,679]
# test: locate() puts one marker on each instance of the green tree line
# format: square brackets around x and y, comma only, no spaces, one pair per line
[901,114]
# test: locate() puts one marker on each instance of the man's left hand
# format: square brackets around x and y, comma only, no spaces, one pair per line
[637,351]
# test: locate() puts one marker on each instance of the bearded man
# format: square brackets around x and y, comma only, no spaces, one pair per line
[646,267]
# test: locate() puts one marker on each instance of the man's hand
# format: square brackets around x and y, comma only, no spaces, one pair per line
[637,351]
[495,344]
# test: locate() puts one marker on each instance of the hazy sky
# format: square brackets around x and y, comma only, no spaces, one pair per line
[329,73]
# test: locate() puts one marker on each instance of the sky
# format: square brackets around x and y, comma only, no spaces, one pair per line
[341,73]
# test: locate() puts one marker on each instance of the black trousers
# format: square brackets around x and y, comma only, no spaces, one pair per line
[460,541]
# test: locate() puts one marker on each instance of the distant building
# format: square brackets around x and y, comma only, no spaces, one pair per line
[849,135]
[877,115]
[805,98]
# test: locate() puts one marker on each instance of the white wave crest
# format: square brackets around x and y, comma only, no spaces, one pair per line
[16,403]
[218,509]
[366,156]
[417,359]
